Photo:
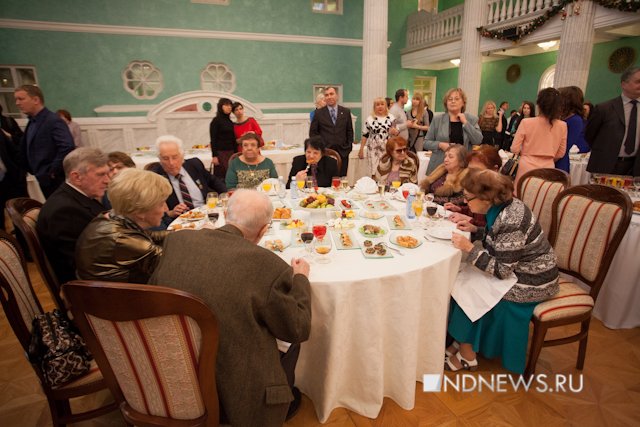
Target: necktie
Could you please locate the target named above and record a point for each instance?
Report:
(186, 197)
(333, 115)
(630, 142)
(314, 174)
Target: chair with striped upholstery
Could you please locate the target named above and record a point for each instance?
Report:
(588, 223)
(24, 212)
(157, 348)
(538, 189)
(21, 305)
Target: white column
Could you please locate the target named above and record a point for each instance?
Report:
(374, 53)
(576, 46)
(474, 16)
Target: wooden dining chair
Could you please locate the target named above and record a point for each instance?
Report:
(334, 155)
(24, 215)
(588, 223)
(151, 166)
(538, 189)
(157, 348)
(20, 306)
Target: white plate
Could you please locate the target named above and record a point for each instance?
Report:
(371, 215)
(187, 225)
(441, 233)
(393, 237)
(286, 241)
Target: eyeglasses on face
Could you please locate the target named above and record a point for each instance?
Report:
(401, 150)
(469, 198)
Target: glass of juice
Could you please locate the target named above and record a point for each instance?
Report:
(335, 183)
(322, 247)
(212, 200)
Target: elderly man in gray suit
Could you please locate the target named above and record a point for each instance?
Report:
(257, 298)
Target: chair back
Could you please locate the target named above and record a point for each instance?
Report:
(24, 212)
(156, 347)
(234, 155)
(538, 189)
(18, 299)
(415, 158)
(151, 166)
(588, 223)
(334, 155)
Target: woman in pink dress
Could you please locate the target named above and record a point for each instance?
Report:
(543, 139)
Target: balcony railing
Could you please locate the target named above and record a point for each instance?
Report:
(430, 29)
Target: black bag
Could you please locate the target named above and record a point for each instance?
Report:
(510, 168)
(58, 349)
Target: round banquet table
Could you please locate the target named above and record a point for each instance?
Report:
(378, 325)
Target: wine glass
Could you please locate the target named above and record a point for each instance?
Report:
(224, 200)
(300, 183)
(319, 230)
(266, 186)
(212, 200)
(382, 185)
(322, 247)
(432, 210)
(335, 183)
(309, 183)
(344, 183)
(416, 205)
(396, 184)
(306, 235)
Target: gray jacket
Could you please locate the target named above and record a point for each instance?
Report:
(439, 132)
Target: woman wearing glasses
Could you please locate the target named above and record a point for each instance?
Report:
(453, 127)
(395, 164)
(444, 181)
(513, 244)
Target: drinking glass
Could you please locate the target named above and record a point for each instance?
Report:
(322, 247)
(266, 186)
(396, 185)
(405, 194)
(432, 210)
(344, 183)
(212, 200)
(319, 230)
(593, 178)
(309, 184)
(224, 199)
(416, 205)
(300, 183)
(306, 235)
(381, 187)
(335, 183)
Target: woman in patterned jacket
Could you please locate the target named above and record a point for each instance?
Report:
(513, 244)
(375, 133)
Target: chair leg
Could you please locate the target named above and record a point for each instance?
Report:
(537, 341)
(59, 411)
(582, 349)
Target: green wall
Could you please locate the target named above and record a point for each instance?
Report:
(448, 4)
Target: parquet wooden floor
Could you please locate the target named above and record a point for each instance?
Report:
(610, 395)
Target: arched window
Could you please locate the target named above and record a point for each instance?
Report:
(546, 80)
(218, 77)
(142, 80)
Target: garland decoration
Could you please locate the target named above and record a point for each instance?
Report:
(515, 34)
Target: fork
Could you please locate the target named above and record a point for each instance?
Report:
(398, 251)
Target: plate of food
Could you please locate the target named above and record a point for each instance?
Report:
(405, 239)
(371, 215)
(636, 207)
(348, 214)
(370, 230)
(282, 213)
(276, 244)
(313, 202)
(290, 224)
(378, 205)
(344, 239)
(378, 250)
(193, 215)
(398, 222)
(347, 204)
(443, 233)
(340, 223)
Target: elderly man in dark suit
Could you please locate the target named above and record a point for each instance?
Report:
(46, 140)
(333, 123)
(612, 130)
(72, 207)
(190, 180)
(257, 298)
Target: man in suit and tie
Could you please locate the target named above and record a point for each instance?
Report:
(612, 130)
(333, 123)
(257, 298)
(72, 207)
(190, 180)
(46, 140)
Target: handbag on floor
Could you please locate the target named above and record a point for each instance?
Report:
(58, 349)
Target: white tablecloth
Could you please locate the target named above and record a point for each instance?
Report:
(377, 326)
(578, 170)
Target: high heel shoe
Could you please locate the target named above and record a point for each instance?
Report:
(467, 365)
(454, 345)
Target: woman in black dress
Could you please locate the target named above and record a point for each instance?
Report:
(223, 138)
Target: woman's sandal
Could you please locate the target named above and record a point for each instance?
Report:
(455, 345)
(468, 365)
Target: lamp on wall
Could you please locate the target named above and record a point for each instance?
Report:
(547, 45)
(455, 62)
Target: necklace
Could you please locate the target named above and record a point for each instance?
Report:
(252, 172)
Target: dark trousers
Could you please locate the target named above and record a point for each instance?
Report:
(49, 185)
(345, 165)
(624, 166)
(288, 361)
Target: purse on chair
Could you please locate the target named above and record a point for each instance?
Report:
(57, 349)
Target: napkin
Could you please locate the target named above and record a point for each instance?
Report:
(366, 185)
(477, 292)
(574, 149)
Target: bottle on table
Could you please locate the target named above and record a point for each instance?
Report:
(410, 212)
(282, 188)
(293, 188)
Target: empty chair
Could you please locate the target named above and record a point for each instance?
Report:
(21, 305)
(588, 223)
(538, 189)
(157, 348)
(24, 215)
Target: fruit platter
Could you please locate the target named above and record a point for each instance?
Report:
(318, 201)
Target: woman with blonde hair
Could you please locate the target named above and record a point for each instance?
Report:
(396, 165)
(417, 122)
(453, 127)
(445, 181)
(490, 123)
(513, 245)
(375, 132)
(116, 246)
